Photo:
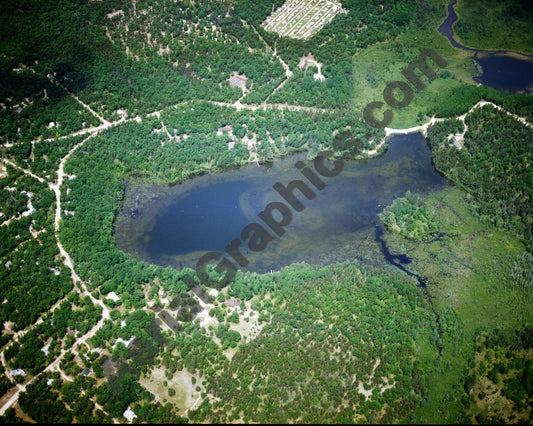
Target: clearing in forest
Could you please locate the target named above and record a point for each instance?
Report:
(302, 18)
(178, 388)
(310, 61)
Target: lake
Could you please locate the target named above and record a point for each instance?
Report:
(505, 72)
(175, 225)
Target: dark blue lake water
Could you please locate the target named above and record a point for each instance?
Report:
(175, 226)
(507, 73)
(202, 219)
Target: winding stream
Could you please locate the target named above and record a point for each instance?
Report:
(502, 69)
(399, 260)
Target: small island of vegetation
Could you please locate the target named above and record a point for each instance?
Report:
(409, 216)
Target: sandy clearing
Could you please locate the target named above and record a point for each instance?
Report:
(186, 395)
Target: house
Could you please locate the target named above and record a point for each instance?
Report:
(233, 304)
(46, 348)
(18, 372)
(129, 414)
(86, 372)
(126, 342)
(113, 296)
(223, 129)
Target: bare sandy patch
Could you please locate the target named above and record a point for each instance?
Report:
(115, 13)
(248, 326)
(251, 145)
(389, 384)
(310, 61)
(3, 170)
(250, 329)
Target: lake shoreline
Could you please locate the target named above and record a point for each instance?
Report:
(182, 223)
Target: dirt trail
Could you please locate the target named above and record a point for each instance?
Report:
(87, 107)
(288, 72)
(424, 127)
(33, 175)
(254, 107)
(67, 259)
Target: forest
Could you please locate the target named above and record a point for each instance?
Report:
(494, 166)
(95, 95)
